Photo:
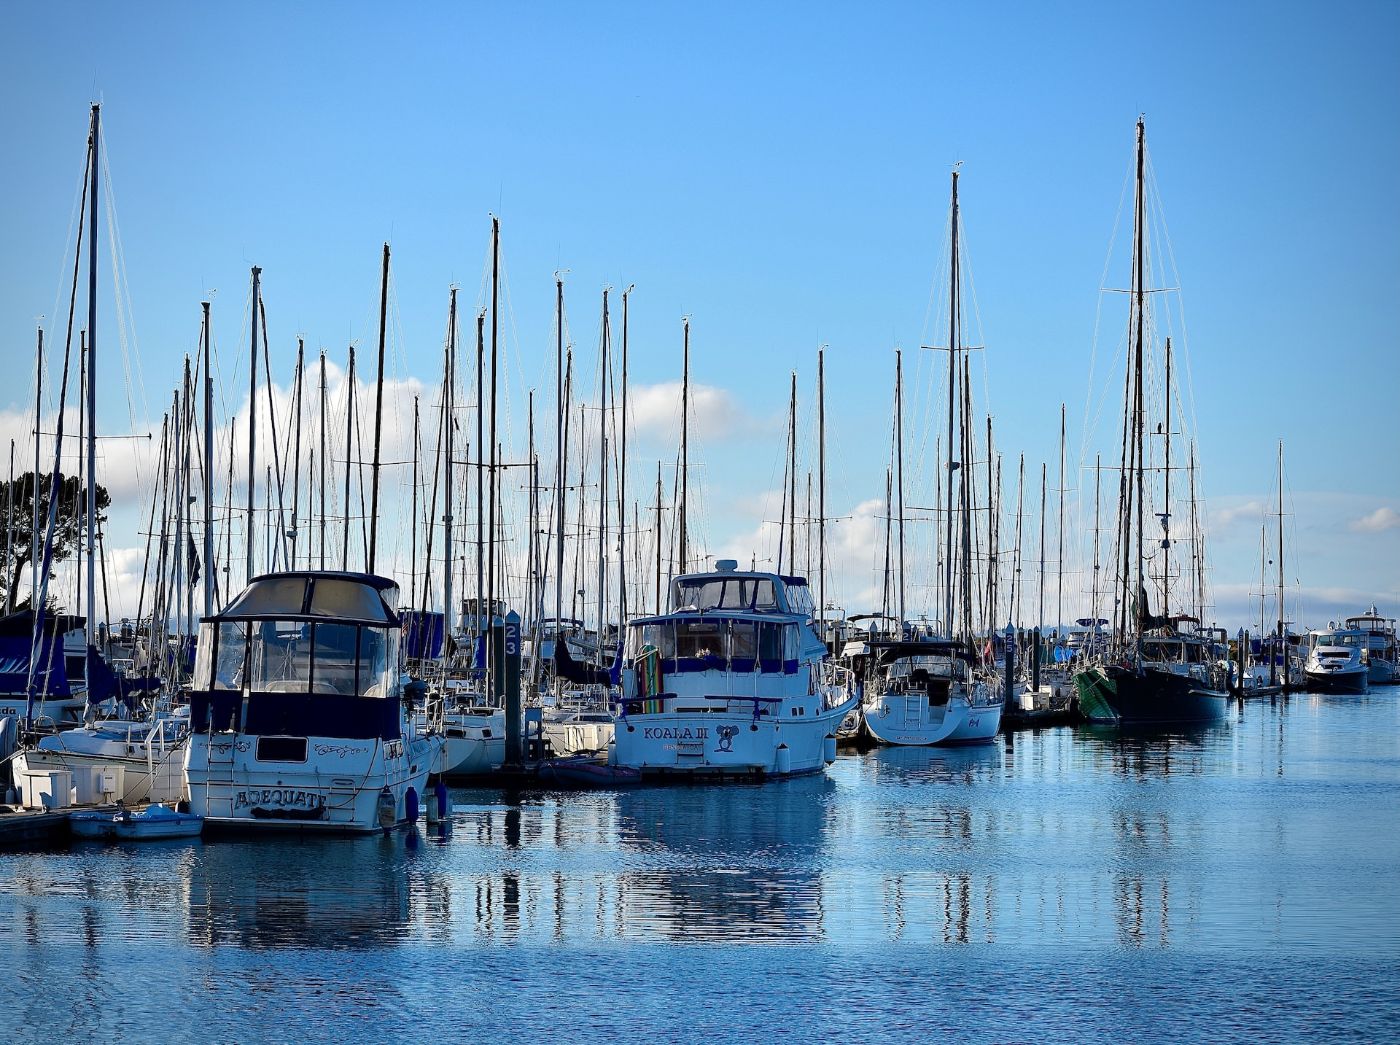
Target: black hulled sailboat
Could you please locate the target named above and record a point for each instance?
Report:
(1155, 673)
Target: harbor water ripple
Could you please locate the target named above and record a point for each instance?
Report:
(1239, 882)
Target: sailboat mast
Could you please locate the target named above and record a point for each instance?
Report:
(792, 479)
(349, 453)
(1040, 598)
(622, 483)
(1282, 616)
(493, 480)
(561, 455)
(953, 337)
(1060, 533)
(899, 469)
(413, 514)
(683, 557)
(603, 367)
(1138, 420)
(296, 455)
(658, 538)
(322, 471)
(480, 471)
(92, 382)
(253, 419)
(34, 538)
(1094, 581)
(378, 412)
(449, 402)
(208, 471)
(821, 491)
(1167, 487)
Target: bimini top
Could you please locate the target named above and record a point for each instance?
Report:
(331, 595)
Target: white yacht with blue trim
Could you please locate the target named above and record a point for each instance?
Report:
(297, 714)
(733, 682)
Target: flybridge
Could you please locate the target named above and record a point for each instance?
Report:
(727, 588)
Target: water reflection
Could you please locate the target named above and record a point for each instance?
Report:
(335, 893)
(740, 864)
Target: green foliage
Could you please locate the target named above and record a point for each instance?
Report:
(19, 544)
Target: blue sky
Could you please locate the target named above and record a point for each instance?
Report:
(779, 173)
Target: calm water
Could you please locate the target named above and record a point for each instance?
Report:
(1241, 882)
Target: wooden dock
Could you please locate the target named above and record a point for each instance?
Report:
(29, 827)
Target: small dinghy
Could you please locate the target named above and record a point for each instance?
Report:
(586, 772)
(155, 822)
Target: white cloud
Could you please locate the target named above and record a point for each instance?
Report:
(715, 415)
(1382, 519)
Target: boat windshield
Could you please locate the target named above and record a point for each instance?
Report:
(1339, 639)
(722, 640)
(724, 593)
(281, 656)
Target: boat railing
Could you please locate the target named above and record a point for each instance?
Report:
(838, 676)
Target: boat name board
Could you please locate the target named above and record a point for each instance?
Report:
(279, 798)
(670, 733)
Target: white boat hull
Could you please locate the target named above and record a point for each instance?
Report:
(336, 790)
(475, 743)
(910, 719)
(726, 743)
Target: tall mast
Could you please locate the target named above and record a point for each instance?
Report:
(560, 455)
(1094, 593)
(449, 396)
(253, 420)
(1137, 379)
(378, 413)
(1016, 571)
(682, 559)
(1167, 492)
(821, 491)
(208, 472)
(953, 338)
(1040, 600)
(413, 514)
(889, 513)
(1060, 533)
(480, 469)
(1282, 616)
(792, 478)
(296, 457)
(899, 469)
(322, 470)
(34, 538)
(494, 479)
(622, 483)
(92, 383)
(349, 452)
(603, 368)
(658, 538)
(10, 535)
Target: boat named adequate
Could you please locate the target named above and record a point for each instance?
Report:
(297, 716)
(733, 682)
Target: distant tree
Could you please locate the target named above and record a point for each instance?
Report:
(18, 550)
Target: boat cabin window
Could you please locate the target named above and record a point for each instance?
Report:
(724, 593)
(799, 597)
(726, 640)
(700, 638)
(278, 656)
(1339, 639)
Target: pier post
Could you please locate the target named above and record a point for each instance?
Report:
(1009, 654)
(507, 634)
